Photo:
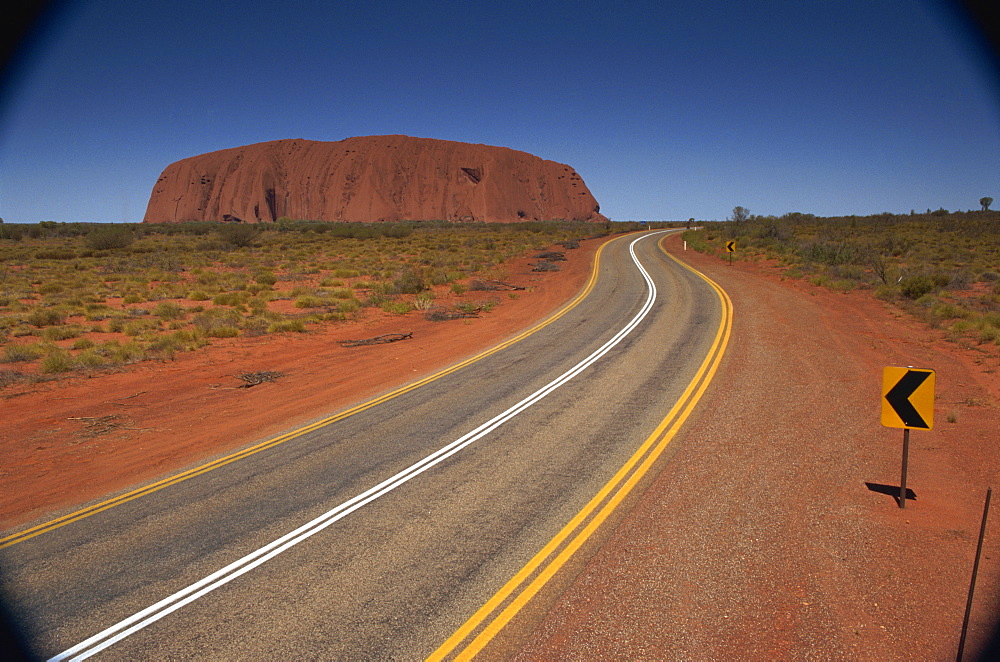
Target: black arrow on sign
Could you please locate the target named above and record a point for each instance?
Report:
(899, 398)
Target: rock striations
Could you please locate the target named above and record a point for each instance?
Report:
(368, 179)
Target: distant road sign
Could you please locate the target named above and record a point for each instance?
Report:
(908, 398)
(731, 246)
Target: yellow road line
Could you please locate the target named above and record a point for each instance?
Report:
(542, 568)
(83, 513)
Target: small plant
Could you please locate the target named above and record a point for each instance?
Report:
(57, 361)
(44, 317)
(168, 310)
(309, 301)
(397, 307)
(265, 278)
(54, 333)
(238, 234)
(21, 353)
(287, 325)
(109, 238)
(915, 287)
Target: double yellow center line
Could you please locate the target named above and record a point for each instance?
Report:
(499, 610)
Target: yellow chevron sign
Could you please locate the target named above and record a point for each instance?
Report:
(908, 398)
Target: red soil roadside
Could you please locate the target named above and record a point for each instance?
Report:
(759, 539)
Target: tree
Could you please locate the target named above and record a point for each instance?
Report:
(740, 214)
(986, 202)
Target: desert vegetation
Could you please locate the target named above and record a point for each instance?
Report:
(84, 297)
(942, 267)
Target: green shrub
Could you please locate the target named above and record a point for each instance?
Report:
(309, 301)
(89, 359)
(265, 278)
(408, 282)
(50, 288)
(349, 306)
(109, 238)
(240, 235)
(44, 317)
(54, 333)
(397, 307)
(83, 343)
(21, 353)
(168, 310)
(56, 361)
(118, 354)
(55, 254)
(223, 331)
(914, 287)
(133, 298)
(230, 298)
(457, 288)
(287, 325)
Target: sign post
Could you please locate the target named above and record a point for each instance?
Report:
(907, 403)
(731, 248)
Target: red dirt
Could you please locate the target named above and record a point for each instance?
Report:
(176, 413)
(385, 178)
(759, 539)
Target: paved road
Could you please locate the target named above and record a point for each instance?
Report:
(395, 577)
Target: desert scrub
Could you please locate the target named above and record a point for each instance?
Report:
(168, 310)
(286, 326)
(348, 306)
(309, 301)
(44, 317)
(20, 353)
(54, 333)
(56, 361)
(118, 354)
(231, 298)
(397, 307)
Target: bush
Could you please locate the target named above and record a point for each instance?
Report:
(265, 278)
(397, 307)
(238, 234)
(287, 325)
(109, 238)
(44, 317)
(61, 332)
(89, 359)
(915, 287)
(168, 310)
(408, 282)
(20, 353)
(309, 301)
(57, 361)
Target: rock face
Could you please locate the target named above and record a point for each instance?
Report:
(368, 179)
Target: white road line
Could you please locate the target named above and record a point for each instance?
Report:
(172, 603)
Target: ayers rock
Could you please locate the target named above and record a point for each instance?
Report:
(367, 179)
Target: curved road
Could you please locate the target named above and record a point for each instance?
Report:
(363, 539)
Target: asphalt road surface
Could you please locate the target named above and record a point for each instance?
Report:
(377, 536)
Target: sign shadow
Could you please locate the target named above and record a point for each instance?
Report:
(891, 490)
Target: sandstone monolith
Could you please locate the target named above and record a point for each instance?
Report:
(369, 179)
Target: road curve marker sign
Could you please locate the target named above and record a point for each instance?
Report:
(908, 398)
(731, 246)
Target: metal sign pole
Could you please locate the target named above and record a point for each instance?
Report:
(902, 481)
(975, 571)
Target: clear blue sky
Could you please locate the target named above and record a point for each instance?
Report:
(668, 110)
